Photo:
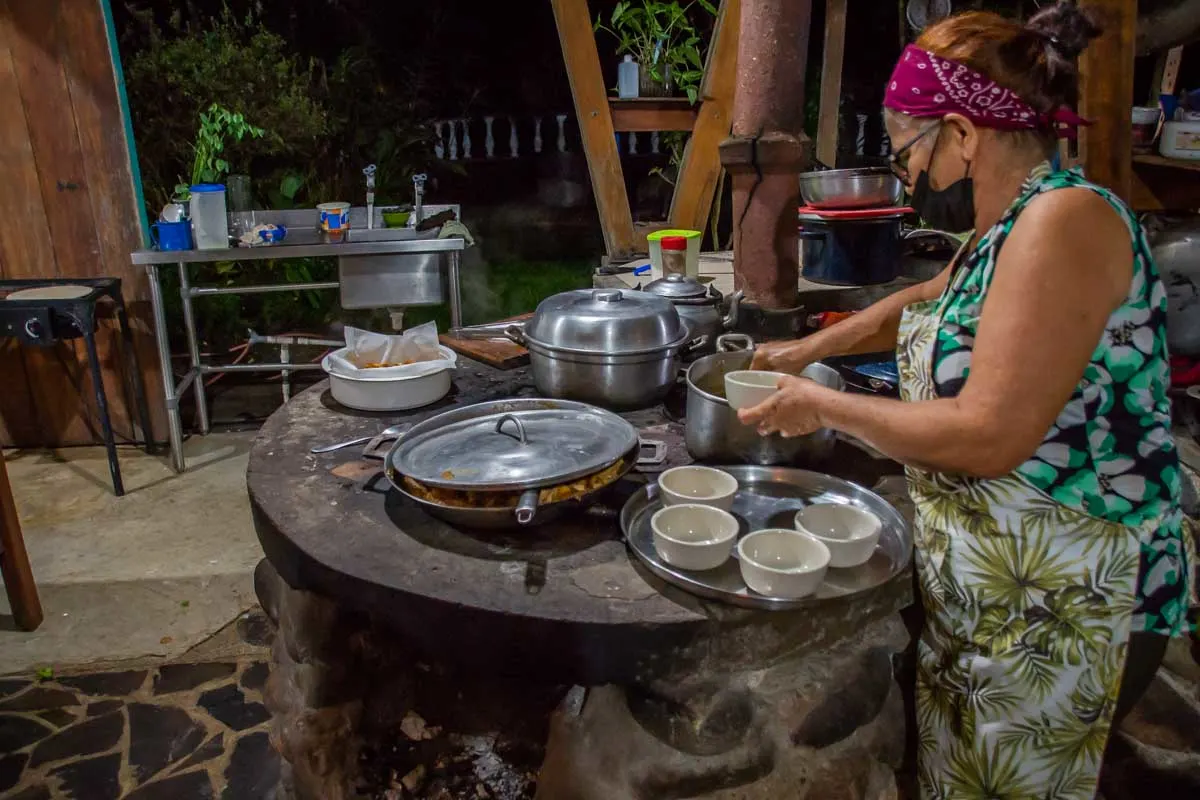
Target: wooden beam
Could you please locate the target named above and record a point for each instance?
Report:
(1106, 97)
(596, 130)
(645, 115)
(700, 172)
(14, 562)
(831, 81)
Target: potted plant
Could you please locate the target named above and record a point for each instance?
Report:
(662, 37)
(217, 124)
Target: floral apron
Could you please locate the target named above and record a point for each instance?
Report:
(1029, 607)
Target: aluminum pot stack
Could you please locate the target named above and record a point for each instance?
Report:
(617, 348)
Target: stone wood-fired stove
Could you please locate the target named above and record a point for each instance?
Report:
(673, 696)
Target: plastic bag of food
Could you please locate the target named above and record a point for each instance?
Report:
(378, 355)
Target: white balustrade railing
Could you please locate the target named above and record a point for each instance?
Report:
(453, 138)
(457, 139)
(533, 135)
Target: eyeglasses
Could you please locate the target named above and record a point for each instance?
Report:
(900, 167)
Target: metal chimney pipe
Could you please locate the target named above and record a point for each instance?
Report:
(768, 149)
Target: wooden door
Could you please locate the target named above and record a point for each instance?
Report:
(68, 208)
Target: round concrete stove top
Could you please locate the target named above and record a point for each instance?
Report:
(563, 602)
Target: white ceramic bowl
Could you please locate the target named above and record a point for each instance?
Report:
(849, 532)
(749, 387)
(777, 562)
(693, 536)
(365, 393)
(700, 485)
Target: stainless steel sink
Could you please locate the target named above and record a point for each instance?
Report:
(386, 234)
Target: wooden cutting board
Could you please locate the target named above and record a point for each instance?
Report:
(498, 353)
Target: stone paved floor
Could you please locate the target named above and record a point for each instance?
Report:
(178, 731)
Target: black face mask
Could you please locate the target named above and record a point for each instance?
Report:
(951, 209)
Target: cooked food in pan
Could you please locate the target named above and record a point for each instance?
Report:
(509, 499)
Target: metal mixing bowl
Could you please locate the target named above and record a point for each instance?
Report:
(850, 188)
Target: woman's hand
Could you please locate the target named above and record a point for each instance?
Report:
(791, 411)
(791, 356)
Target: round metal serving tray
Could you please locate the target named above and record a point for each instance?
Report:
(768, 497)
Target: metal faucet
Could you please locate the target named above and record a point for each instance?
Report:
(369, 172)
(418, 212)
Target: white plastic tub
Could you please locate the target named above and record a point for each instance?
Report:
(388, 393)
(1180, 140)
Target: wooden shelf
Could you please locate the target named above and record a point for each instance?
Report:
(1165, 184)
(648, 114)
(1171, 163)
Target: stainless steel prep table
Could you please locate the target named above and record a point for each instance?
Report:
(301, 242)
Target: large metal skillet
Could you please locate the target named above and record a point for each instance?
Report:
(512, 463)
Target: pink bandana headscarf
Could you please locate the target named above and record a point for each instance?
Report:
(925, 85)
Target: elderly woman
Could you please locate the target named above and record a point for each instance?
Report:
(1034, 420)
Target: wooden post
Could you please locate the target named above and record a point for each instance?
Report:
(700, 172)
(831, 81)
(1106, 97)
(14, 562)
(595, 125)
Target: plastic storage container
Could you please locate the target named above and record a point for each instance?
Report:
(627, 79)
(1145, 125)
(333, 217)
(693, 238)
(209, 220)
(1180, 140)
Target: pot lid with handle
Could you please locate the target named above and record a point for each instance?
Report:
(677, 287)
(513, 445)
(609, 321)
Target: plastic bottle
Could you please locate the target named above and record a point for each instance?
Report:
(209, 218)
(627, 79)
(674, 255)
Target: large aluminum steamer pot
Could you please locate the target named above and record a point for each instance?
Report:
(713, 431)
(616, 348)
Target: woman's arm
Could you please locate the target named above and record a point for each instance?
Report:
(872, 330)
(1062, 271)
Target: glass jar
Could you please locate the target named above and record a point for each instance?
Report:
(674, 255)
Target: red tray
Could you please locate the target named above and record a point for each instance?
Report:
(857, 213)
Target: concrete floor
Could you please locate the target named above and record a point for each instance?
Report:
(146, 576)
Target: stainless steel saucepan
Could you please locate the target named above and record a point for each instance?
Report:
(713, 431)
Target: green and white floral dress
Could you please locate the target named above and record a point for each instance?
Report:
(1032, 583)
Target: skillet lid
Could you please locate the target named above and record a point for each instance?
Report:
(513, 445)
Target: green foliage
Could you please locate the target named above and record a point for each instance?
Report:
(659, 35)
(175, 74)
(321, 122)
(216, 125)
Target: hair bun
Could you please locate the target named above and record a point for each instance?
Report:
(1066, 27)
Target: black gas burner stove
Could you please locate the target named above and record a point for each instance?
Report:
(43, 320)
(44, 312)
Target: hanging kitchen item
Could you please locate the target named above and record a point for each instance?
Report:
(703, 309)
(864, 187)
(617, 348)
(713, 432)
(512, 462)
